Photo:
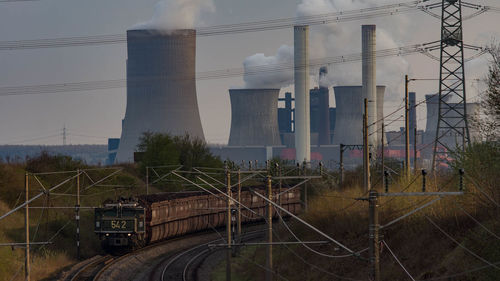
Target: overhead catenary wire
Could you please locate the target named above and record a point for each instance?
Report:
(460, 244)
(309, 248)
(476, 221)
(448, 277)
(313, 265)
(398, 261)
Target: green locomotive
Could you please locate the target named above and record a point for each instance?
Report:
(120, 223)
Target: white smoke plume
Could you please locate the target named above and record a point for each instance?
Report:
(177, 14)
(334, 40)
(255, 78)
(345, 38)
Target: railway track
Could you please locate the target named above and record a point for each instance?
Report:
(89, 270)
(173, 259)
(184, 265)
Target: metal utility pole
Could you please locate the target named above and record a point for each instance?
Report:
(407, 130)
(239, 206)
(452, 113)
(228, 226)
(383, 163)
(366, 148)
(415, 162)
(27, 230)
(77, 214)
(64, 135)
(280, 186)
(304, 166)
(373, 236)
(269, 247)
(147, 180)
(342, 148)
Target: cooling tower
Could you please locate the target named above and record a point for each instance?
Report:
(432, 106)
(254, 117)
(369, 90)
(302, 100)
(161, 87)
(453, 138)
(349, 114)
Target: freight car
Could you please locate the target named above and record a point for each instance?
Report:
(135, 222)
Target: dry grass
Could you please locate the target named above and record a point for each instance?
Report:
(48, 260)
(421, 247)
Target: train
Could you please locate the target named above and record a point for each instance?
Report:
(138, 221)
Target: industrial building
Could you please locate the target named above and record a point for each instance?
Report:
(452, 139)
(161, 87)
(254, 117)
(349, 114)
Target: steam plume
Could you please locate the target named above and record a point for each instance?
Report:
(177, 14)
(269, 79)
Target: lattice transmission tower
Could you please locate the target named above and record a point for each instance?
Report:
(452, 127)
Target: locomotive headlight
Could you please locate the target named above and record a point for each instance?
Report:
(129, 235)
(107, 234)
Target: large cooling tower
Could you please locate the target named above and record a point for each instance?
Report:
(369, 90)
(453, 138)
(349, 114)
(254, 117)
(302, 100)
(161, 87)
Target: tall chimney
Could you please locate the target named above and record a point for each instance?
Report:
(369, 89)
(302, 106)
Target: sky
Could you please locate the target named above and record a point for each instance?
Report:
(94, 116)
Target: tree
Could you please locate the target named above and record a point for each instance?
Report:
(194, 152)
(163, 149)
(488, 124)
(158, 150)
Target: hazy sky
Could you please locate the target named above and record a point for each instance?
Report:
(93, 116)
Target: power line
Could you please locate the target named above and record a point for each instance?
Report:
(476, 221)
(460, 245)
(461, 273)
(282, 23)
(313, 265)
(306, 246)
(396, 258)
(205, 75)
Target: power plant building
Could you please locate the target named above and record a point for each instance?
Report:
(452, 139)
(161, 87)
(349, 114)
(254, 117)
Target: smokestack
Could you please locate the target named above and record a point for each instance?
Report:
(380, 113)
(302, 107)
(161, 87)
(254, 117)
(413, 115)
(369, 89)
(320, 110)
